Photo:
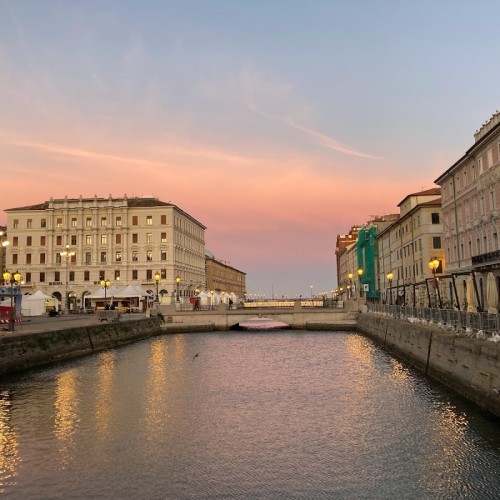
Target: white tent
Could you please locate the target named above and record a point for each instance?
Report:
(36, 303)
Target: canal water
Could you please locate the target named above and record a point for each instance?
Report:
(289, 415)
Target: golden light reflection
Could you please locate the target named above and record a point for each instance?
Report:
(66, 413)
(357, 346)
(157, 385)
(106, 373)
(179, 348)
(400, 374)
(9, 452)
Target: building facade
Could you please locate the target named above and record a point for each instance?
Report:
(65, 247)
(221, 277)
(471, 212)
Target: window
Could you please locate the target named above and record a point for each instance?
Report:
(102, 275)
(15, 241)
(134, 274)
(73, 222)
(28, 241)
(163, 273)
(149, 255)
(135, 220)
(135, 238)
(58, 240)
(117, 275)
(118, 221)
(149, 238)
(72, 275)
(15, 223)
(43, 223)
(73, 239)
(118, 239)
(42, 258)
(14, 258)
(103, 256)
(436, 242)
(28, 277)
(104, 239)
(88, 239)
(42, 241)
(57, 276)
(149, 274)
(58, 258)
(435, 218)
(42, 277)
(149, 220)
(88, 221)
(29, 223)
(86, 275)
(28, 258)
(163, 255)
(104, 221)
(163, 237)
(163, 219)
(88, 258)
(135, 257)
(59, 222)
(118, 256)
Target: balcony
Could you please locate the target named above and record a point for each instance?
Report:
(486, 258)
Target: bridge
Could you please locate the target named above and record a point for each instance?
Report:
(223, 319)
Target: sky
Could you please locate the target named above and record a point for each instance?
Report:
(278, 124)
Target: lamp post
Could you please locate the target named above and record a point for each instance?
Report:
(360, 273)
(177, 281)
(12, 279)
(68, 253)
(433, 265)
(389, 279)
(311, 287)
(350, 276)
(105, 284)
(157, 280)
(5, 244)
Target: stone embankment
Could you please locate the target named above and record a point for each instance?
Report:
(22, 351)
(469, 366)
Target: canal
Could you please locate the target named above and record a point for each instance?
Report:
(288, 415)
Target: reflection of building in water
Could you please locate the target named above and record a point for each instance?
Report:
(157, 385)
(66, 412)
(106, 373)
(9, 452)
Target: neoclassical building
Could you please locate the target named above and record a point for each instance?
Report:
(471, 210)
(222, 277)
(65, 247)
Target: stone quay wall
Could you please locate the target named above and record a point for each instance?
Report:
(469, 366)
(30, 350)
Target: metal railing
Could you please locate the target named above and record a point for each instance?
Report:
(262, 305)
(479, 324)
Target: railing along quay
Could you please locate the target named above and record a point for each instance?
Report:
(261, 305)
(479, 324)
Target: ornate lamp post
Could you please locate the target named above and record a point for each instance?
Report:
(389, 279)
(311, 287)
(157, 280)
(67, 254)
(12, 279)
(105, 284)
(350, 276)
(360, 273)
(433, 265)
(177, 281)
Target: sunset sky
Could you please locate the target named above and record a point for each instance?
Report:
(278, 124)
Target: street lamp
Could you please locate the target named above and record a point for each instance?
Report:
(177, 281)
(351, 276)
(12, 279)
(360, 273)
(105, 284)
(157, 280)
(433, 265)
(389, 278)
(67, 254)
(311, 287)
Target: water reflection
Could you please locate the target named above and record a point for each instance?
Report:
(66, 418)
(157, 386)
(104, 393)
(9, 452)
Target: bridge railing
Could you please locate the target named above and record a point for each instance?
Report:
(479, 324)
(267, 304)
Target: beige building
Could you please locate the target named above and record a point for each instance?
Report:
(471, 213)
(65, 247)
(406, 247)
(221, 277)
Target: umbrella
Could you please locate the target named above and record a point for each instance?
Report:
(469, 294)
(492, 294)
